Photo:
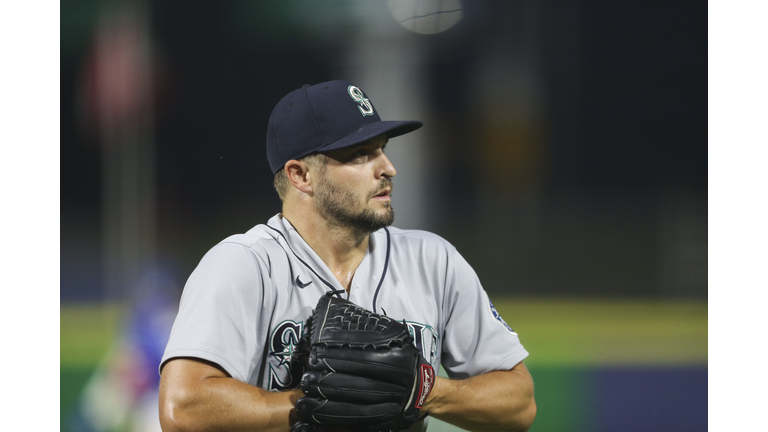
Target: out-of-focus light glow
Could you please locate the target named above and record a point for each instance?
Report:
(426, 16)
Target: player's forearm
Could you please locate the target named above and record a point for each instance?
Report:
(496, 401)
(222, 404)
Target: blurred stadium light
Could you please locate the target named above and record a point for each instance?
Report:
(426, 16)
(118, 94)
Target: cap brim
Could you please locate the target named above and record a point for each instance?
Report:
(389, 128)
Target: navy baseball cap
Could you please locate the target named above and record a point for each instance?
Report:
(324, 117)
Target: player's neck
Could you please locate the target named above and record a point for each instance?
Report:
(342, 249)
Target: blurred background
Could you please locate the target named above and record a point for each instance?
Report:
(564, 154)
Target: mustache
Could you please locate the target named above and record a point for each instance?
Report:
(385, 184)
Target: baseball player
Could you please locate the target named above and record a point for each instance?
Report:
(234, 360)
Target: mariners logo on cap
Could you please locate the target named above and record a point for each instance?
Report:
(357, 95)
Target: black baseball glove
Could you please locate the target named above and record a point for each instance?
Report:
(363, 372)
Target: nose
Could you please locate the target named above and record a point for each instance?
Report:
(386, 169)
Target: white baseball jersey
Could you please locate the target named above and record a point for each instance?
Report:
(247, 303)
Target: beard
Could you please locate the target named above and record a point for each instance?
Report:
(338, 205)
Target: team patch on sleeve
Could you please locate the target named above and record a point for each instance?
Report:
(498, 317)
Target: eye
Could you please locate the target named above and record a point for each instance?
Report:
(360, 153)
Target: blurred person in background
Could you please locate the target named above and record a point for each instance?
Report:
(122, 393)
(233, 360)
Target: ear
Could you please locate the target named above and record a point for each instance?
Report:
(298, 175)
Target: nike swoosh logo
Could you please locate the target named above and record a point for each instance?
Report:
(301, 285)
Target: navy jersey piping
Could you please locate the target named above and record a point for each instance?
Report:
(338, 294)
(303, 262)
(383, 274)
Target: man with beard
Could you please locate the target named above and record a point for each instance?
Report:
(233, 361)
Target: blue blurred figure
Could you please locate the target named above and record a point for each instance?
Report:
(122, 394)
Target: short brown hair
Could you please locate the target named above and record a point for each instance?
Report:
(281, 182)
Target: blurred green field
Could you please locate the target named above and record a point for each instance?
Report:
(86, 334)
(609, 332)
(562, 336)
